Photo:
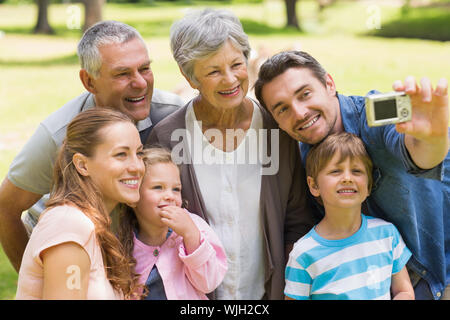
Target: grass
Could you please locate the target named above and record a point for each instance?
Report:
(8, 278)
(417, 23)
(40, 73)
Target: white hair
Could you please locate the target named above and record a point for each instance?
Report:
(201, 33)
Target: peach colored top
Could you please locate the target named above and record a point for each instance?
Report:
(56, 226)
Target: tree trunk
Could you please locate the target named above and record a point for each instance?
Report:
(291, 14)
(42, 25)
(92, 12)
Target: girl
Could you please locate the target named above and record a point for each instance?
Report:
(72, 252)
(178, 256)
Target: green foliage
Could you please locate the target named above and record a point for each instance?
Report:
(252, 27)
(18, 1)
(421, 23)
(183, 1)
(132, 1)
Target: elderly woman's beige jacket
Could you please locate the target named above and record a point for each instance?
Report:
(286, 210)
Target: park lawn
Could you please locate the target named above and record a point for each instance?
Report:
(8, 278)
(40, 73)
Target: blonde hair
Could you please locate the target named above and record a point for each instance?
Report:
(128, 221)
(70, 187)
(347, 145)
(155, 155)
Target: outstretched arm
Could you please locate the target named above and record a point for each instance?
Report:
(426, 135)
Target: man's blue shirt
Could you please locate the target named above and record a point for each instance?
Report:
(416, 201)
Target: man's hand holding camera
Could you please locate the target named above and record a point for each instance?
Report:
(426, 135)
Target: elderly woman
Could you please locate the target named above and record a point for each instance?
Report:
(258, 209)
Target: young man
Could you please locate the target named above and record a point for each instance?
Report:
(411, 160)
(115, 70)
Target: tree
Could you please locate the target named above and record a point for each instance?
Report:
(92, 12)
(42, 25)
(291, 11)
(291, 14)
(92, 15)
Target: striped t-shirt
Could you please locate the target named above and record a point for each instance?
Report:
(359, 267)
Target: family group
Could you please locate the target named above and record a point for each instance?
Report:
(107, 200)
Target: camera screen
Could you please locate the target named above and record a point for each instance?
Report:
(385, 109)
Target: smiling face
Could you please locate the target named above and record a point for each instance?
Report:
(161, 187)
(116, 166)
(125, 80)
(341, 184)
(222, 79)
(302, 106)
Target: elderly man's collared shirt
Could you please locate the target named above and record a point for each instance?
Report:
(416, 201)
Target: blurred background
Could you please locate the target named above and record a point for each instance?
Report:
(363, 44)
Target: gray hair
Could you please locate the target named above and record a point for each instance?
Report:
(201, 33)
(102, 33)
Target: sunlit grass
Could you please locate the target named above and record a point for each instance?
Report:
(8, 278)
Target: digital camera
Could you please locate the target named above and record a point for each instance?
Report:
(387, 108)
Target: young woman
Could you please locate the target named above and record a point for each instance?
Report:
(72, 252)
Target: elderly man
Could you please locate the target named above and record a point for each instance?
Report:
(412, 165)
(116, 72)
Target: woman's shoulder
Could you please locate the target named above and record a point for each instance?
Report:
(66, 218)
(61, 224)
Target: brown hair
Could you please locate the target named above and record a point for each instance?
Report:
(347, 145)
(283, 61)
(128, 220)
(70, 187)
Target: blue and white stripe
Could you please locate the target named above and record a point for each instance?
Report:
(357, 267)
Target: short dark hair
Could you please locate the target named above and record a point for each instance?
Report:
(283, 61)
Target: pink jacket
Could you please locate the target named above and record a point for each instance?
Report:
(185, 277)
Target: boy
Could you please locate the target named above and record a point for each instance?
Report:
(347, 255)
